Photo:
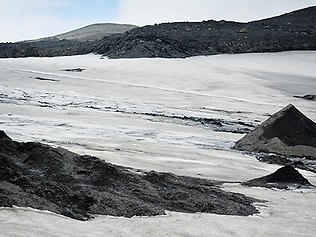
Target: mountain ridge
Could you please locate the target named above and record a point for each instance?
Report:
(291, 31)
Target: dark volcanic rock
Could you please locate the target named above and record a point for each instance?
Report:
(74, 69)
(297, 162)
(292, 31)
(45, 48)
(283, 178)
(46, 79)
(287, 132)
(54, 179)
(307, 97)
(220, 125)
(4, 136)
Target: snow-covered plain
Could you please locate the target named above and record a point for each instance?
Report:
(125, 111)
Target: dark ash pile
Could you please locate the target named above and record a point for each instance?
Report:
(39, 176)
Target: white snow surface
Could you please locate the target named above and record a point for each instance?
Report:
(104, 111)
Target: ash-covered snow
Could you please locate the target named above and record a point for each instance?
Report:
(155, 114)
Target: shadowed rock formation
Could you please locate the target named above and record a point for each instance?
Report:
(39, 176)
(287, 132)
(283, 178)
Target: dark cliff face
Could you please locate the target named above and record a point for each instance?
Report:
(292, 31)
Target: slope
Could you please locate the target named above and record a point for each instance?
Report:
(292, 31)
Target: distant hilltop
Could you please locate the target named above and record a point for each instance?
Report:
(291, 31)
(76, 42)
(93, 32)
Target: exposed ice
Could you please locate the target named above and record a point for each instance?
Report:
(129, 111)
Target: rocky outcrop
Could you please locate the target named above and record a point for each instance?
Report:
(284, 178)
(39, 176)
(287, 132)
(292, 31)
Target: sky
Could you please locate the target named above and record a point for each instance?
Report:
(31, 19)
